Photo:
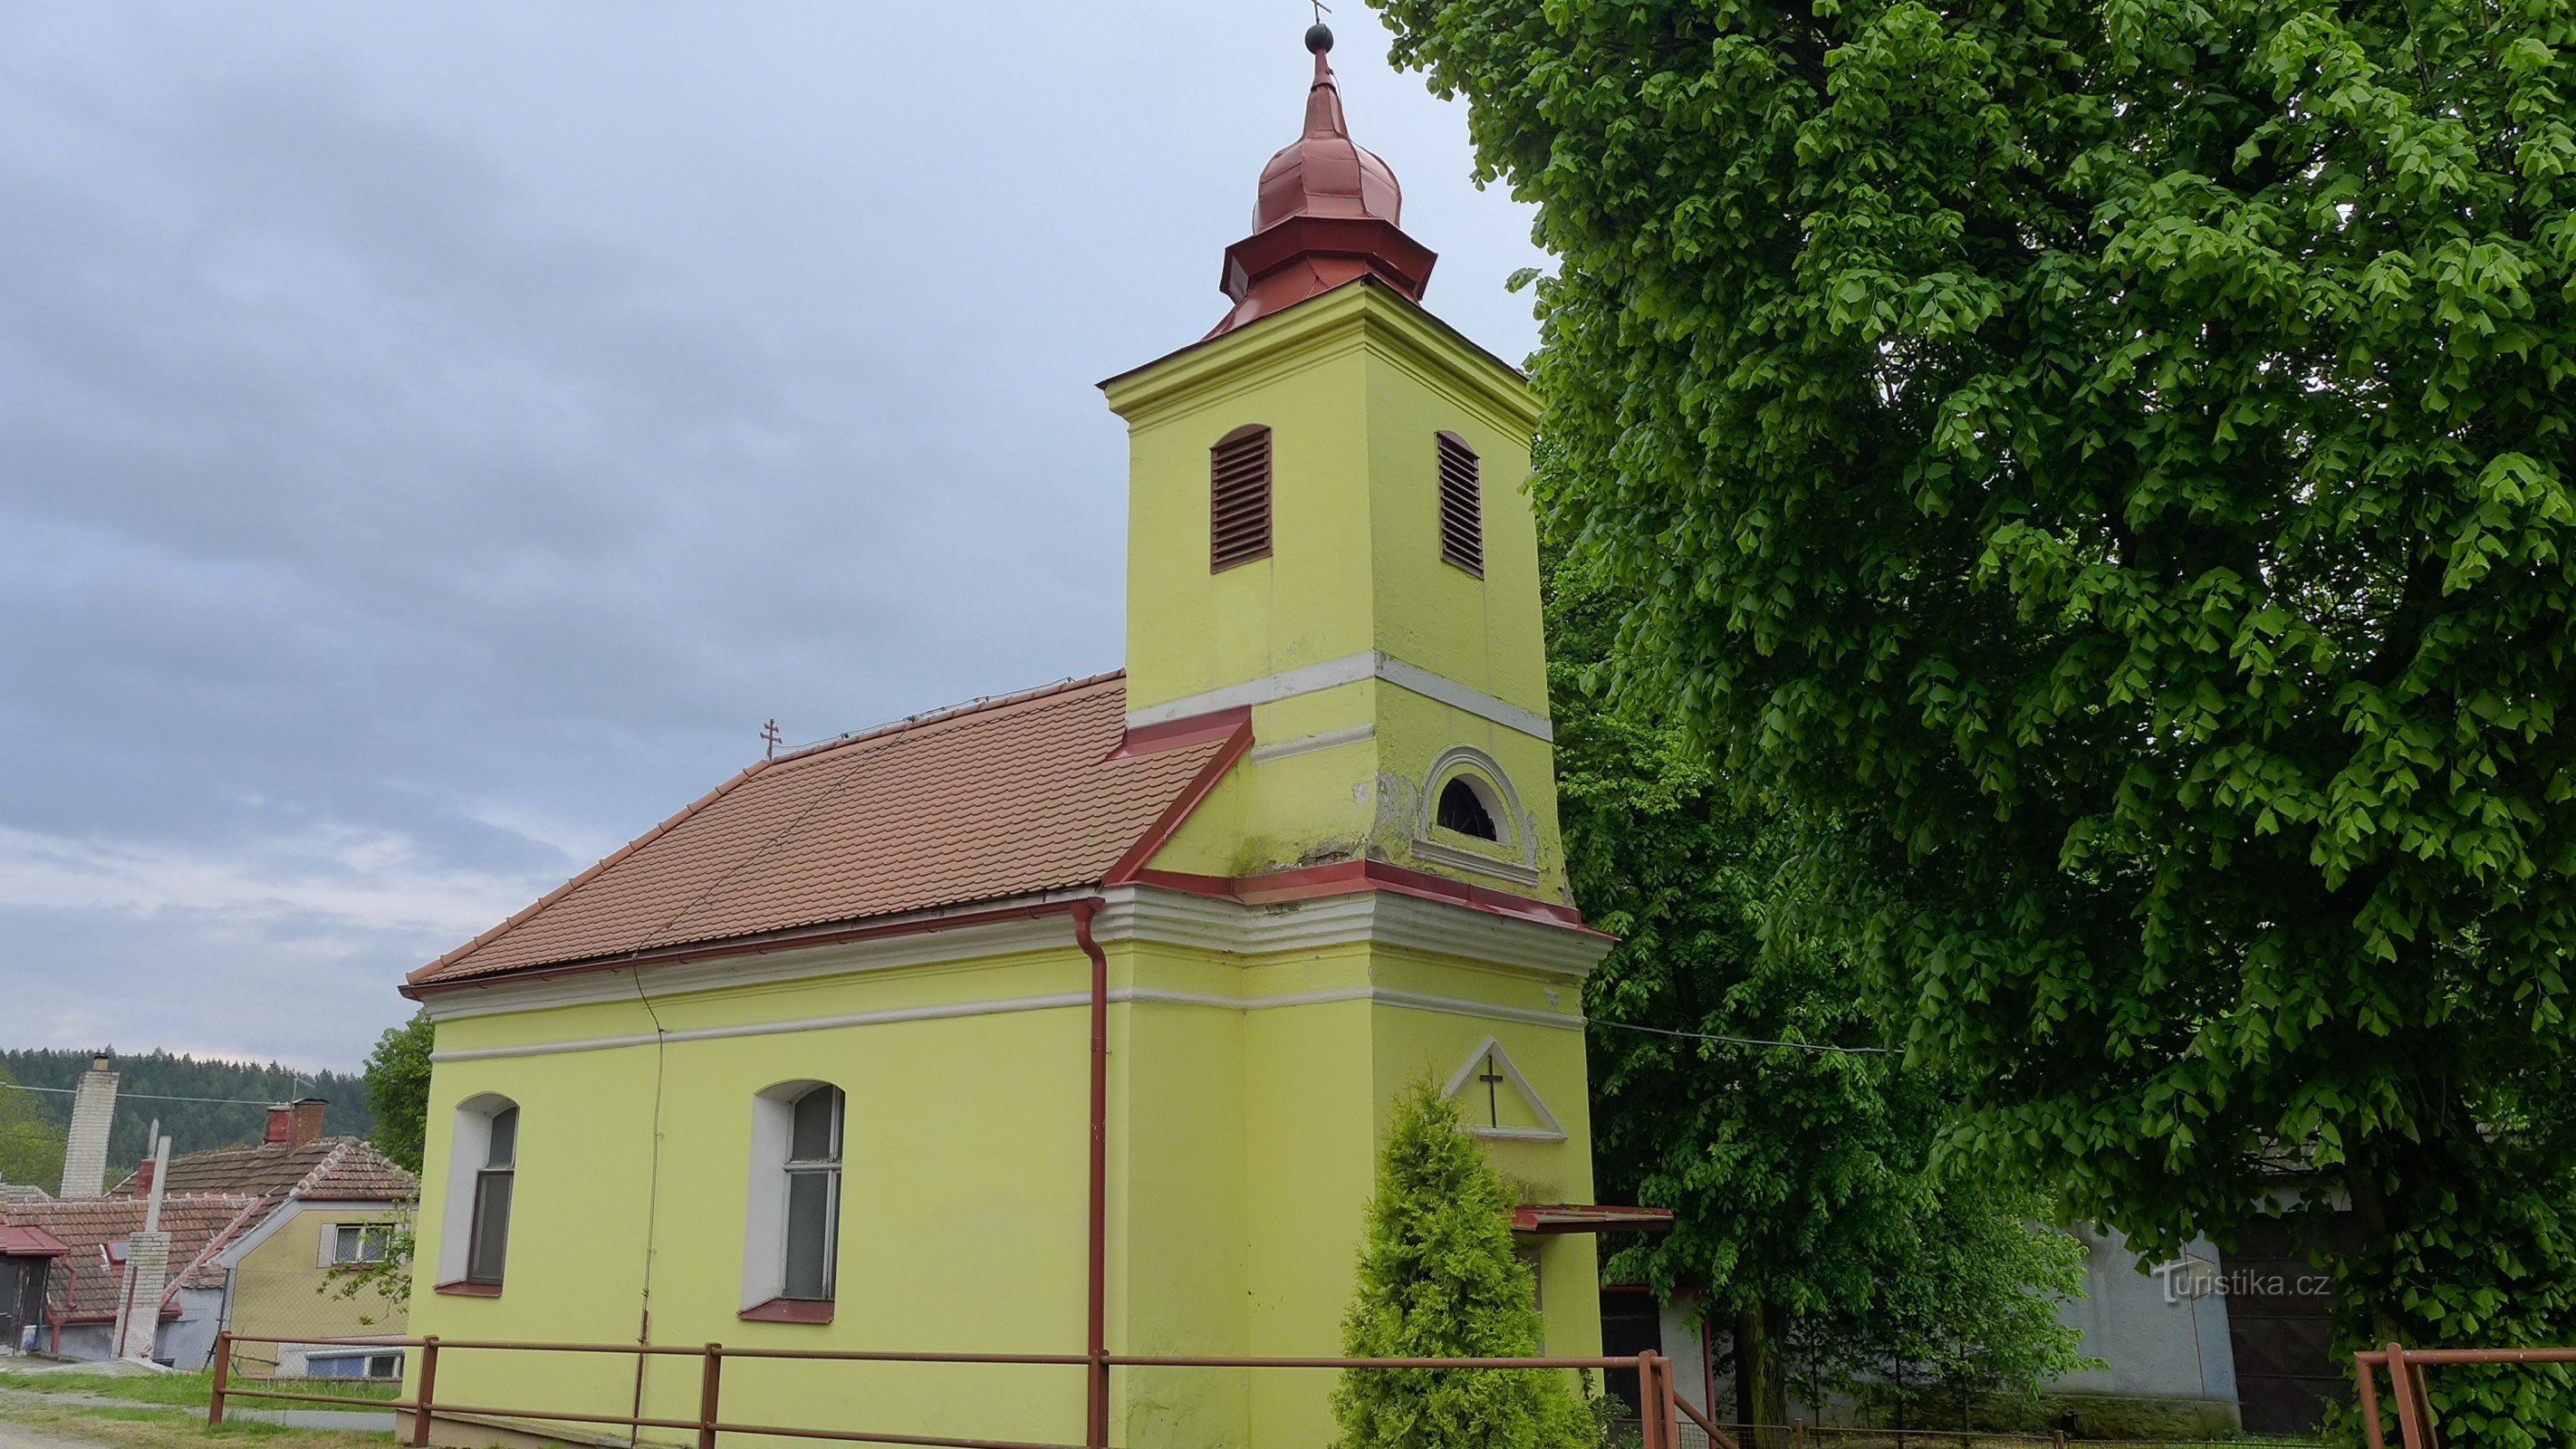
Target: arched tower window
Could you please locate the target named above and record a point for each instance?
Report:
(1463, 810)
(1239, 498)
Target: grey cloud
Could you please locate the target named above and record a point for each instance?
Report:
(432, 439)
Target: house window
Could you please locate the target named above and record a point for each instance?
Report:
(813, 1196)
(352, 1244)
(355, 1366)
(488, 1248)
(1239, 498)
(1462, 509)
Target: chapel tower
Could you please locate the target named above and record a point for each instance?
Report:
(1327, 528)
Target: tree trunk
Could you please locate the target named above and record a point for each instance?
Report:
(1762, 1372)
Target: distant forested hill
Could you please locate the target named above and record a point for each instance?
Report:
(193, 1126)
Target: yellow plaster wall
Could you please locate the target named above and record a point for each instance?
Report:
(1356, 386)
(1242, 1147)
(280, 1289)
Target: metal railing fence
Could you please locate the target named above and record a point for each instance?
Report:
(2415, 1425)
(1660, 1423)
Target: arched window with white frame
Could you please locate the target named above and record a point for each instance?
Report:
(482, 1191)
(792, 1218)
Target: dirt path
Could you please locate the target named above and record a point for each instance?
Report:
(20, 1436)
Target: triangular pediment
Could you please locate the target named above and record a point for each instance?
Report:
(1496, 1101)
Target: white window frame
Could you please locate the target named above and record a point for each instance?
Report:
(764, 1238)
(469, 1144)
(332, 1255)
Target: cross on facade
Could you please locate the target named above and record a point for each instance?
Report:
(1493, 1081)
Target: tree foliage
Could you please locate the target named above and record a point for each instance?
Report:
(31, 1146)
(2116, 456)
(397, 1078)
(1810, 1212)
(1437, 1279)
(201, 1103)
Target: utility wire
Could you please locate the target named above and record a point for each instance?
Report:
(1804, 1046)
(145, 1096)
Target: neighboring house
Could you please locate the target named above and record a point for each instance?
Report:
(823, 1062)
(255, 1234)
(326, 1204)
(86, 1288)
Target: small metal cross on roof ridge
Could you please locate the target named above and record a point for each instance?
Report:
(1493, 1081)
(770, 736)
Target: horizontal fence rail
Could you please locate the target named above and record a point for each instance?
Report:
(1661, 1422)
(2415, 1425)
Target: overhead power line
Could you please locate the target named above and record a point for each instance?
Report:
(1754, 1041)
(146, 1096)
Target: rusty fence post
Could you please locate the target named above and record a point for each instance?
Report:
(2402, 1387)
(426, 1394)
(1650, 1402)
(223, 1371)
(710, 1390)
(2366, 1378)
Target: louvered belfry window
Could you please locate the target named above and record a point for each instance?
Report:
(1239, 498)
(1462, 518)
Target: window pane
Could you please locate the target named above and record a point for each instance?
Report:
(489, 1246)
(504, 1148)
(345, 1246)
(816, 1137)
(333, 1368)
(810, 1233)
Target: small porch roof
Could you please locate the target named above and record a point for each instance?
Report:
(31, 1243)
(1570, 1217)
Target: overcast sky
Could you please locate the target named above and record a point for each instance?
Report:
(434, 437)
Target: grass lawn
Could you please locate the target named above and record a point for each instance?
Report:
(185, 1390)
(151, 1411)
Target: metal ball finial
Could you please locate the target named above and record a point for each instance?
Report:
(1319, 37)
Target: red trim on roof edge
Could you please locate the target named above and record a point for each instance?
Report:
(1353, 876)
(800, 939)
(1155, 838)
(1177, 734)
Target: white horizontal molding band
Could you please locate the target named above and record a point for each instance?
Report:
(1328, 740)
(1062, 1001)
(1131, 913)
(1333, 674)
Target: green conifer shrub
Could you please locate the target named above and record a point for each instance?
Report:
(1437, 1279)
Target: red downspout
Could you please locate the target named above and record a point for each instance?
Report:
(1096, 1328)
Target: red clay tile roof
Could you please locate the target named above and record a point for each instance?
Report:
(999, 799)
(330, 1169)
(199, 1225)
(31, 1243)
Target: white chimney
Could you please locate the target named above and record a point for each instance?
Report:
(93, 1113)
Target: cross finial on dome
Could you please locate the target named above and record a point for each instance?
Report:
(1327, 213)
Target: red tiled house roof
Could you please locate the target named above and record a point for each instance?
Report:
(326, 1169)
(85, 1287)
(1014, 797)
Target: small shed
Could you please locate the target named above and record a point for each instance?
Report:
(27, 1258)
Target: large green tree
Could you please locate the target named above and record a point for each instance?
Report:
(2115, 457)
(31, 1146)
(1811, 1214)
(397, 1077)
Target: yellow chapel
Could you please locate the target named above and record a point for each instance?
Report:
(1064, 1024)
